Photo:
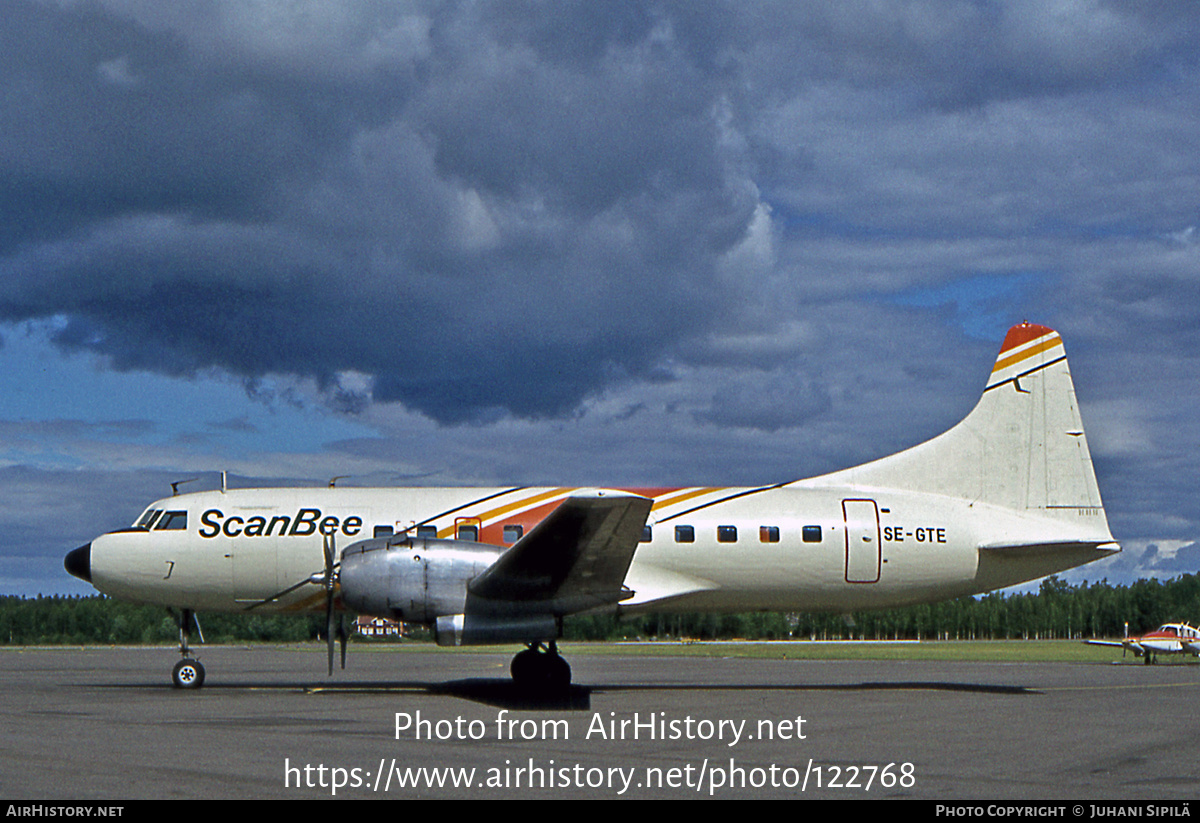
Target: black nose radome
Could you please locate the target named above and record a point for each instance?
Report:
(79, 562)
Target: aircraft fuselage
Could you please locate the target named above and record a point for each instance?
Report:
(774, 548)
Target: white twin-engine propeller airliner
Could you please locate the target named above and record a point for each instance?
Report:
(1006, 496)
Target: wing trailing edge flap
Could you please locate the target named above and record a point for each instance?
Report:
(575, 559)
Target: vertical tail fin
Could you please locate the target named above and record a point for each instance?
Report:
(1022, 447)
(1037, 454)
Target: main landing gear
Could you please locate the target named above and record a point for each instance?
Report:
(188, 672)
(541, 669)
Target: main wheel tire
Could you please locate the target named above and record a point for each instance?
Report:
(558, 672)
(524, 667)
(540, 671)
(188, 674)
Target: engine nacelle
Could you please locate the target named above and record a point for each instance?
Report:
(412, 579)
(479, 629)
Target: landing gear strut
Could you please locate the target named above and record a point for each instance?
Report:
(540, 669)
(188, 672)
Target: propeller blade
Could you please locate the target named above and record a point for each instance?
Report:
(342, 637)
(329, 553)
(330, 579)
(329, 628)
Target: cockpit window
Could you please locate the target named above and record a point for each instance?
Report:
(147, 519)
(173, 521)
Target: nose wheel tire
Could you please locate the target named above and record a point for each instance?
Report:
(188, 674)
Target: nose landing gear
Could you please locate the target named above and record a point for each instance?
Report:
(188, 672)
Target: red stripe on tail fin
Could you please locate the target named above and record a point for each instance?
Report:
(1023, 333)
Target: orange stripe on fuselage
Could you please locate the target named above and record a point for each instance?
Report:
(527, 518)
(672, 500)
(493, 532)
(531, 513)
(500, 511)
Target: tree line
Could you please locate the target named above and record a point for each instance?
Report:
(1057, 610)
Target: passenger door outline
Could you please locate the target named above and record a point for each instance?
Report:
(863, 547)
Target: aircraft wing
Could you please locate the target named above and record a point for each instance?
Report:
(575, 559)
(1104, 643)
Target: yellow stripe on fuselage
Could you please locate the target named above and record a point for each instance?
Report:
(500, 511)
(673, 498)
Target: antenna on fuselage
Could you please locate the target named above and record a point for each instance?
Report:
(175, 486)
(224, 482)
(333, 480)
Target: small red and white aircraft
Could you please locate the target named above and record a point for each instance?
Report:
(1006, 496)
(1169, 638)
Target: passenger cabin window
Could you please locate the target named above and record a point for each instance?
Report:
(685, 534)
(811, 534)
(647, 534)
(468, 533)
(382, 531)
(427, 532)
(768, 534)
(726, 534)
(172, 521)
(513, 533)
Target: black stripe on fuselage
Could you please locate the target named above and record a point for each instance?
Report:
(449, 512)
(746, 493)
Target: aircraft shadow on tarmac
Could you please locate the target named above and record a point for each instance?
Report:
(503, 693)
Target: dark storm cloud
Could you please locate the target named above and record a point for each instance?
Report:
(104, 118)
(539, 212)
(963, 54)
(503, 208)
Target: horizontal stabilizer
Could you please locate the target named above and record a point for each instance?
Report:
(1032, 549)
